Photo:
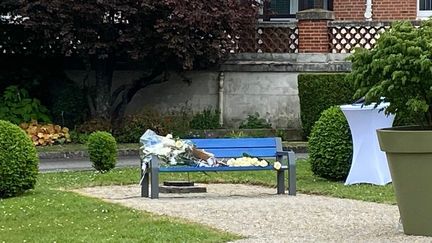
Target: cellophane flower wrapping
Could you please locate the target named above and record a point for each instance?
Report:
(169, 150)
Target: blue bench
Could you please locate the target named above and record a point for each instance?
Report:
(229, 148)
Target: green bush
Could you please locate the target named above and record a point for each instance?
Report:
(178, 123)
(254, 122)
(78, 137)
(94, 125)
(330, 145)
(102, 148)
(134, 126)
(318, 92)
(18, 161)
(207, 119)
(17, 107)
(236, 134)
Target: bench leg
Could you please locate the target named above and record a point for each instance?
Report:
(144, 183)
(154, 170)
(280, 182)
(291, 174)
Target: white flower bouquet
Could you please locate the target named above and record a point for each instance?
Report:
(249, 161)
(167, 149)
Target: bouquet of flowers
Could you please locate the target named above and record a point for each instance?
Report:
(172, 151)
(249, 161)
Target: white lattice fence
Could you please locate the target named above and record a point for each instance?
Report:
(345, 36)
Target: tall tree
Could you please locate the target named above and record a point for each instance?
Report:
(163, 35)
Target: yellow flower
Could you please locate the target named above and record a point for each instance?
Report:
(277, 165)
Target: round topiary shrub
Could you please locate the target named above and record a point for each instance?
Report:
(330, 145)
(18, 161)
(102, 148)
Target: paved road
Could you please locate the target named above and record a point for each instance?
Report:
(52, 165)
(47, 165)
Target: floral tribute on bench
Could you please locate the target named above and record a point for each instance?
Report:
(177, 152)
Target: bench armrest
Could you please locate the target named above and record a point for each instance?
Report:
(292, 188)
(289, 154)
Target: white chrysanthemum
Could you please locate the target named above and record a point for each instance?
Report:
(173, 161)
(263, 163)
(179, 144)
(277, 165)
(247, 161)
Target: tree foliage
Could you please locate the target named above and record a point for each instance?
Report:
(398, 70)
(160, 34)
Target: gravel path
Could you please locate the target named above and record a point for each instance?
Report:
(262, 216)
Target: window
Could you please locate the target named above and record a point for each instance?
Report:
(288, 8)
(424, 8)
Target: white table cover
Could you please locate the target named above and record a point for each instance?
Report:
(369, 163)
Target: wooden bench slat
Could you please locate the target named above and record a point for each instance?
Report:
(238, 152)
(235, 143)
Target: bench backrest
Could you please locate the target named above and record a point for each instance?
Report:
(236, 147)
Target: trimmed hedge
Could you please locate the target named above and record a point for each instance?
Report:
(330, 145)
(18, 161)
(102, 148)
(318, 92)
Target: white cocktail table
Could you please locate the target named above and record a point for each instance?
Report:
(369, 163)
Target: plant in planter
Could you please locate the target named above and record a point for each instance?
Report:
(399, 70)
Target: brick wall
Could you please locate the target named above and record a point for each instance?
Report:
(381, 9)
(313, 36)
(349, 9)
(392, 10)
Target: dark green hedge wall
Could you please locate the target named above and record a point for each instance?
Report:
(318, 92)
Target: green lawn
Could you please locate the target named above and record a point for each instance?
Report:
(306, 182)
(49, 213)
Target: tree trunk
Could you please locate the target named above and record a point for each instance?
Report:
(127, 92)
(104, 69)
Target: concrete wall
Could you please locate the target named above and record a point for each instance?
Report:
(198, 94)
(263, 83)
(274, 95)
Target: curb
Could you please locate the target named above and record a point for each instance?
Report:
(301, 148)
(83, 154)
(297, 149)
